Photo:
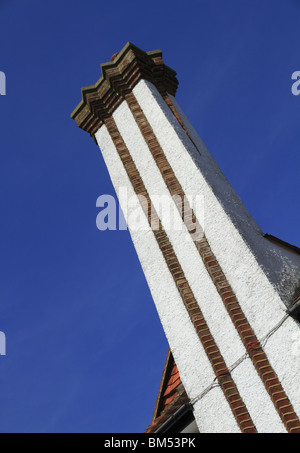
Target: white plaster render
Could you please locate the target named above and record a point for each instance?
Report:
(280, 264)
(283, 347)
(243, 262)
(195, 371)
(209, 301)
(210, 416)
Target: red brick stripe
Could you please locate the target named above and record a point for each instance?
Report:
(177, 116)
(218, 364)
(246, 333)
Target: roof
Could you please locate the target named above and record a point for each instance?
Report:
(278, 241)
(171, 395)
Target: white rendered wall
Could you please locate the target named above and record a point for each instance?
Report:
(209, 302)
(195, 370)
(281, 265)
(237, 242)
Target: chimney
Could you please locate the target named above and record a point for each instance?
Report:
(223, 290)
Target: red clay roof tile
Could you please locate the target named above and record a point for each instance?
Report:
(171, 394)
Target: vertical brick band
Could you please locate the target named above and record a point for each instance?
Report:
(245, 331)
(119, 77)
(217, 362)
(170, 104)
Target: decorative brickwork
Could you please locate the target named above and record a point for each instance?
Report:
(251, 343)
(98, 103)
(170, 104)
(218, 364)
(119, 77)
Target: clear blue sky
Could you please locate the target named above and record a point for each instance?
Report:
(85, 348)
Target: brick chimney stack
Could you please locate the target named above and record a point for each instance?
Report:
(225, 294)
